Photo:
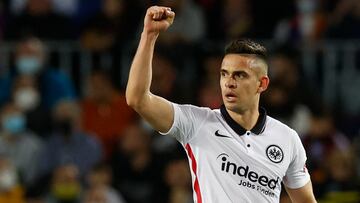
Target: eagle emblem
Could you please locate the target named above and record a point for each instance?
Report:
(274, 153)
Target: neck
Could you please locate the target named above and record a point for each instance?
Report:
(247, 119)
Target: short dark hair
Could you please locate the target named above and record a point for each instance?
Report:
(246, 46)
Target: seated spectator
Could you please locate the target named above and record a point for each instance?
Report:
(22, 147)
(104, 111)
(209, 91)
(166, 79)
(38, 19)
(65, 185)
(237, 19)
(26, 96)
(30, 60)
(289, 97)
(213, 22)
(137, 169)
(321, 142)
(308, 24)
(345, 21)
(11, 190)
(342, 185)
(178, 179)
(68, 144)
(112, 26)
(99, 186)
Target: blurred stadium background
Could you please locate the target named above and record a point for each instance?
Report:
(67, 134)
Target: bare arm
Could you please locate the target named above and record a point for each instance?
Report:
(302, 195)
(154, 109)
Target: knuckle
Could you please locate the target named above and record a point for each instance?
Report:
(152, 9)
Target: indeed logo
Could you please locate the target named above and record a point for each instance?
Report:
(246, 172)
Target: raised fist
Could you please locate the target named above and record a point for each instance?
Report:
(158, 19)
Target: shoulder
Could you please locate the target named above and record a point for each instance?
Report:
(280, 128)
(195, 112)
(192, 108)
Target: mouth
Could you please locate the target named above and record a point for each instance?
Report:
(230, 97)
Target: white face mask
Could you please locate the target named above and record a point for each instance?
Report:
(28, 65)
(8, 179)
(26, 98)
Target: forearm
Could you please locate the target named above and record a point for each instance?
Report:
(139, 82)
(155, 110)
(302, 195)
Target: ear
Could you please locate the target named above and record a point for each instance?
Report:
(264, 83)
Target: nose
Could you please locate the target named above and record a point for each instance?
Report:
(230, 83)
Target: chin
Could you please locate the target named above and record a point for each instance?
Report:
(230, 106)
(234, 107)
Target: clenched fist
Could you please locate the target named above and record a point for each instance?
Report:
(158, 19)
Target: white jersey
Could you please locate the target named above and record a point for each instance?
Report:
(229, 164)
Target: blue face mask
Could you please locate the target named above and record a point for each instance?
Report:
(28, 65)
(14, 123)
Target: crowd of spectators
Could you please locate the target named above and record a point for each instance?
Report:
(59, 144)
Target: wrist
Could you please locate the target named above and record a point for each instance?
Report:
(148, 39)
(151, 36)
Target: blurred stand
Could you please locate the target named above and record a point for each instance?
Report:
(104, 111)
(99, 189)
(68, 144)
(39, 19)
(30, 60)
(137, 168)
(22, 147)
(11, 190)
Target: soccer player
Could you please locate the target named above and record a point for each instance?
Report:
(236, 153)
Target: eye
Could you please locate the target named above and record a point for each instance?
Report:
(222, 73)
(240, 75)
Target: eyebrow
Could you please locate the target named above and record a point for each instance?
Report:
(234, 72)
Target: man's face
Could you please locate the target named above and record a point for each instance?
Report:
(29, 57)
(240, 81)
(29, 49)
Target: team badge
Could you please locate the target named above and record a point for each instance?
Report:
(274, 153)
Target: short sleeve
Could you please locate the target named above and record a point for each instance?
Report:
(187, 120)
(297, 174)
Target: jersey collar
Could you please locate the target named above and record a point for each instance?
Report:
(257, 129)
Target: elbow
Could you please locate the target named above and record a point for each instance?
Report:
(130, 97)
(136, 98)
(133, 101)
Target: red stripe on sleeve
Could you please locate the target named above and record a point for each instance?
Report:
(194, 167)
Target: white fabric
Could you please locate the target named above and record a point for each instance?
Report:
(237, 168)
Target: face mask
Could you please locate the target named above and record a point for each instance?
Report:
(14, 123)
(8, 179)
(66, 191)
(28, 65)
(26, 98)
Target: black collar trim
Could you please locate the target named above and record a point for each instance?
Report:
(257, 129)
